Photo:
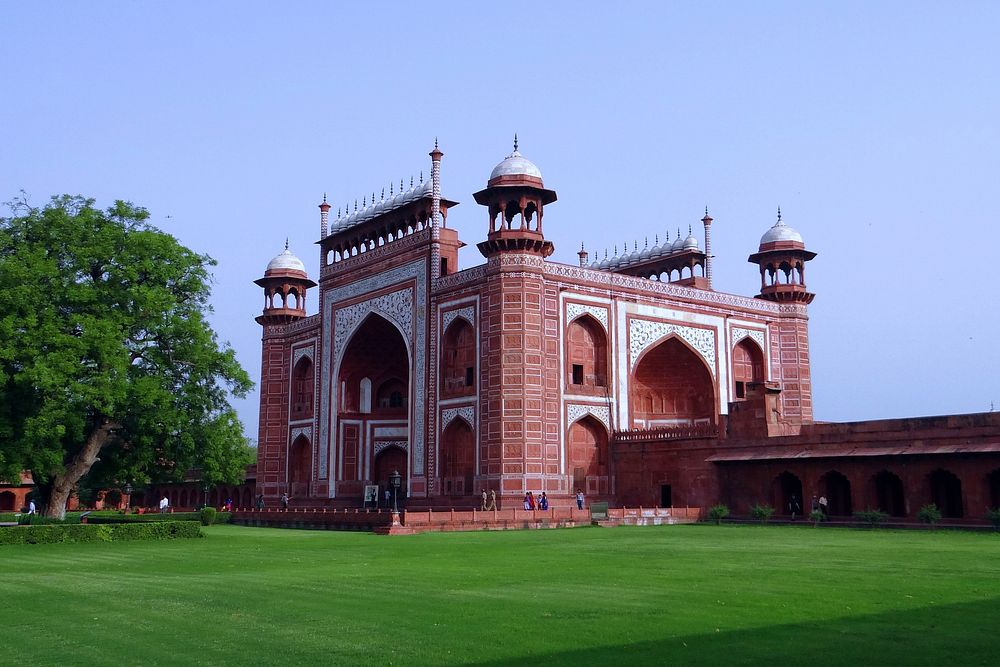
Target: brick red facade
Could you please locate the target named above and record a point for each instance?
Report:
(630, 378)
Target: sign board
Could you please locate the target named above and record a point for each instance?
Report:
(371, 493)
(598, 511)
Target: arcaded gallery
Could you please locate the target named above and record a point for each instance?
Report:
(627, 377)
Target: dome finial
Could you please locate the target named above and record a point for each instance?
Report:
(706, 210)
(421, 175)
(435, 143)
(286, 243)
(324, 197)
(689, 229)
(779, 214)
(515, 142)
(380, 198)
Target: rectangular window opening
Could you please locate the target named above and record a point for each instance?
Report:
(468, 376)
(741, 390)
(577, 374)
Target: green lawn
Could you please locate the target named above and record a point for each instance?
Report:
(680, 594)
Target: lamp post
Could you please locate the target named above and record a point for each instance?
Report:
(128, 495)
(206, 487)
(394, 482)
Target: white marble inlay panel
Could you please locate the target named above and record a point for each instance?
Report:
(644, 333)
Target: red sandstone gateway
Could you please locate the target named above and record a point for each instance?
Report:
(628, 377)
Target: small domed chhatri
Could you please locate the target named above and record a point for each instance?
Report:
(781, 233)
(285, 261)
(515, 167)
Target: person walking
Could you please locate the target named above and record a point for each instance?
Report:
(493, 500)
(793, 507)
(31, 506)
(527, 501)
(164, 505)
(579, 499)
(284, 501)
(823, 505)
(483, 504)
(260, 502)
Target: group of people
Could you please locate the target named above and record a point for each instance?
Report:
(530, 501)
(820, 504)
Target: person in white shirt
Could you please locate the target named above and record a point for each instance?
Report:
(164, 504)
(31, 507)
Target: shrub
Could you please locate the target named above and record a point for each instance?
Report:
(717, 513)
(207, 516)
(929, 514)
(873, 518)
(993, 516)
(762, 513)
(53, 534)
(816, 516)
(8, 517)
(39, 520)
(220, 517)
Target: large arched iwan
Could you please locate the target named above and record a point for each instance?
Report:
(587, 456)
(671, 386)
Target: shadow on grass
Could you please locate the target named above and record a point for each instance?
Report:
(965, 634)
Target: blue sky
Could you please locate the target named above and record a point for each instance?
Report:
(875, 126)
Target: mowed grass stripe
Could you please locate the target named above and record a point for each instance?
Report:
(735, 594)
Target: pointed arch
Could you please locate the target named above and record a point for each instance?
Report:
(946, 493)
(458, 458)
(586, 354)
(671, 386)
(377, 351)
(786, 494)
(587, 460)
(748, 366)
(458, 359)
(300, 466)
(837, 489)
(889, 493)
(303, 383)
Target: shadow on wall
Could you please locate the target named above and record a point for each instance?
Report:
(913, 636)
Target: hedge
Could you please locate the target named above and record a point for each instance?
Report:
(220, 517)
(163, 530)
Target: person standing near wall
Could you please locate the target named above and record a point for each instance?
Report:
(579, 499)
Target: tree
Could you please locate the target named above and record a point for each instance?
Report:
(106, 356)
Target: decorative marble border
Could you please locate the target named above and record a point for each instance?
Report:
(574, 310)
(397, 307)
(611, 279)
(575, 412)
(466, 412)
(302, 352)
(385, 444)
(739, 333)
(416, 270)
(468, 314)
(301, 430)
(644, 333)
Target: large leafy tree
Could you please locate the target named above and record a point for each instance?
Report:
(106, 356)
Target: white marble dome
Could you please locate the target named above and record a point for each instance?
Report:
(516, 164)
(286, 261)
(781, 232)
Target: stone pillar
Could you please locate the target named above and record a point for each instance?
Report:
(707, 221)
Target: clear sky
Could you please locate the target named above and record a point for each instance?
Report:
(875, 126)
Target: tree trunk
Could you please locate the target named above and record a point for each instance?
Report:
(64, 483)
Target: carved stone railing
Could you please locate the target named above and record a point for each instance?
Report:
(666, 433)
